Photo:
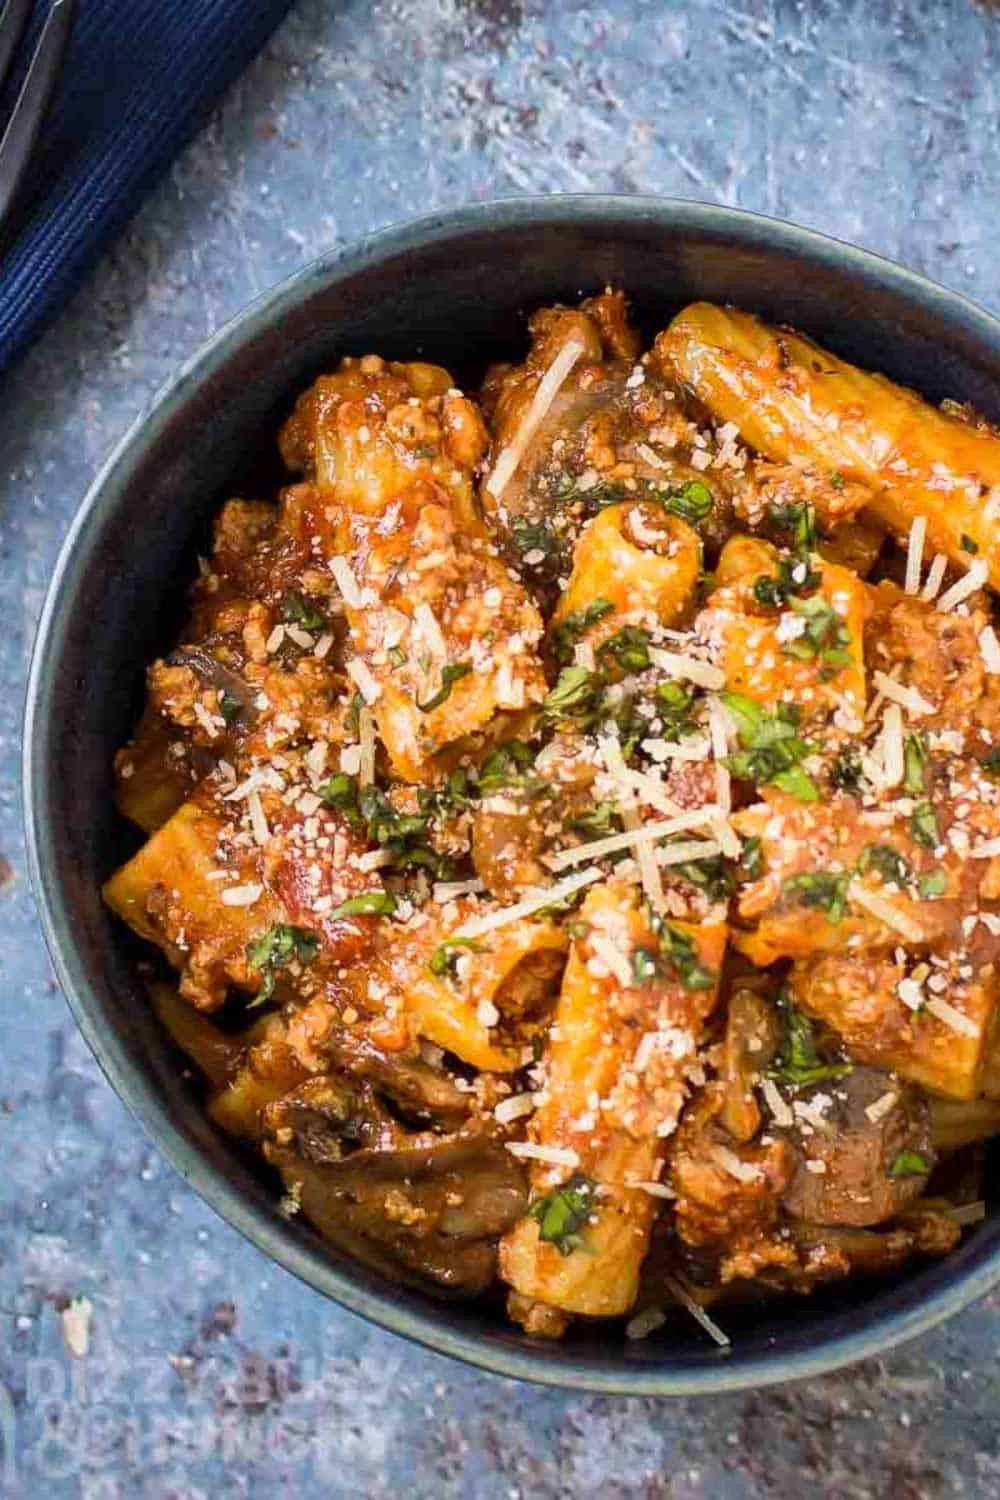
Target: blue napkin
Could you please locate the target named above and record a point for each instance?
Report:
(138, 79)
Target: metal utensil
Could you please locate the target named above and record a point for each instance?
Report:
(24, 126)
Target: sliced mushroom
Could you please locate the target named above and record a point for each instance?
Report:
(431, 1213)
(327, 1117)
(421, 1093)
(862, 1147)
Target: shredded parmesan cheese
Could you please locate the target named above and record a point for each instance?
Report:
(885, 911)
(698, 817)
(881, 1106)
(366, 747)
(346, 582)
(241, 895)
(986, 849)
(689, 667)
(915, 554)
(952, 1017)
(893, 750)
(678, 1290)
(479, 926)
(645, 1323)
(968, 1213)
(258, 822)
(363, 680)
(546, 392)
(906, 697)
(718, 728)
(426, 622)
(743, 1171)
(775, 1103)
(555, 1156)
(684, 851)
(974, 579)
(989, 650)
(935, 578)
(513, 1108)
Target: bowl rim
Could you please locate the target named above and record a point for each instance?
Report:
(888, 1325)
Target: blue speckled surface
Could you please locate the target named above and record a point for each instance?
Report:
(209, 1371)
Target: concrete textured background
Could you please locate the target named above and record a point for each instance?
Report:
(209, 1371)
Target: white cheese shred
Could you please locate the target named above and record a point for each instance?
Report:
(494, 920)
(978, 573)
(554, 1156)
(906, 697)
(699, 817)
(547, 390)
(680, 1291)
(915, 554)
(948, 1014)
(689, 667)
(882, 908)
(363, 680)
(935, 578)
(743, 1171)
(346, 582)
(989, 650)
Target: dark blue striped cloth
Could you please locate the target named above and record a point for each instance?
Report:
(139, 78)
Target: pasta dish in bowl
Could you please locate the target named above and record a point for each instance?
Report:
(572, 814)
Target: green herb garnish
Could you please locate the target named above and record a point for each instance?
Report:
(933, 884)
(229, 707)
(533, 536)
(799, 1064)
(693, 501)
(677, 950)
(297, 610)
(451, 673)
(674, 706)
(573, 695)
(771, 749)
(751, 866)
(371, 904)
(507, 766)
(915, 764)
(561, 1214)
(629, 647)
(800, 520)
(907, 1163)
(275, 950)
(576, 624)
(444, 959)
(991, 761)
(597, 820)
(924, 825)
(825, 635)
(845, 773)
(887, 862)
(968, 545)
(819, 889)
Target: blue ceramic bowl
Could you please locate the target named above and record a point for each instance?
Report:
(453, 288)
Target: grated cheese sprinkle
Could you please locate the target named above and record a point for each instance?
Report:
(952, 1017)
(546, 392)
(743, 1171)
(241, 895)
(363, 680)
(702, 673)
(346, 582)
(915, 554)
(906, 697)
(493, 920)
(556, 1156)
(680, 1291)
(935, 578)
(885, 911)
(989, 650)
(974, 579)
(698, 817)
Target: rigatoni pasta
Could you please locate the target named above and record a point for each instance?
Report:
(572, 819)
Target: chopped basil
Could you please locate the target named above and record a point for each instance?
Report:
(575, 625)
(674, 704)
(837, 479)
(798, 1063)
(968, 545)
(629, 647)
(561, 1214)
(751, 866)
(353, 720)
(933, 884)
(677, 949)
(845, 773)
(276, 949)
(371, 904)
(825, 635)
(800, 520)
(532, 536)
(692, 501)
(907, 1163)
(820, 889)
(451, 673)
(893, 867)
(991, 761)
(445, 957)
(573, 694)
(602, 818)
(507, 766)
(456, 792)
(229, 707)
(795, 576)
(297, 610)
(714, 876)
(924, 825)
(397, 656)
(771, 749)
(645, 965)
(915, 764)
(341, 791)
